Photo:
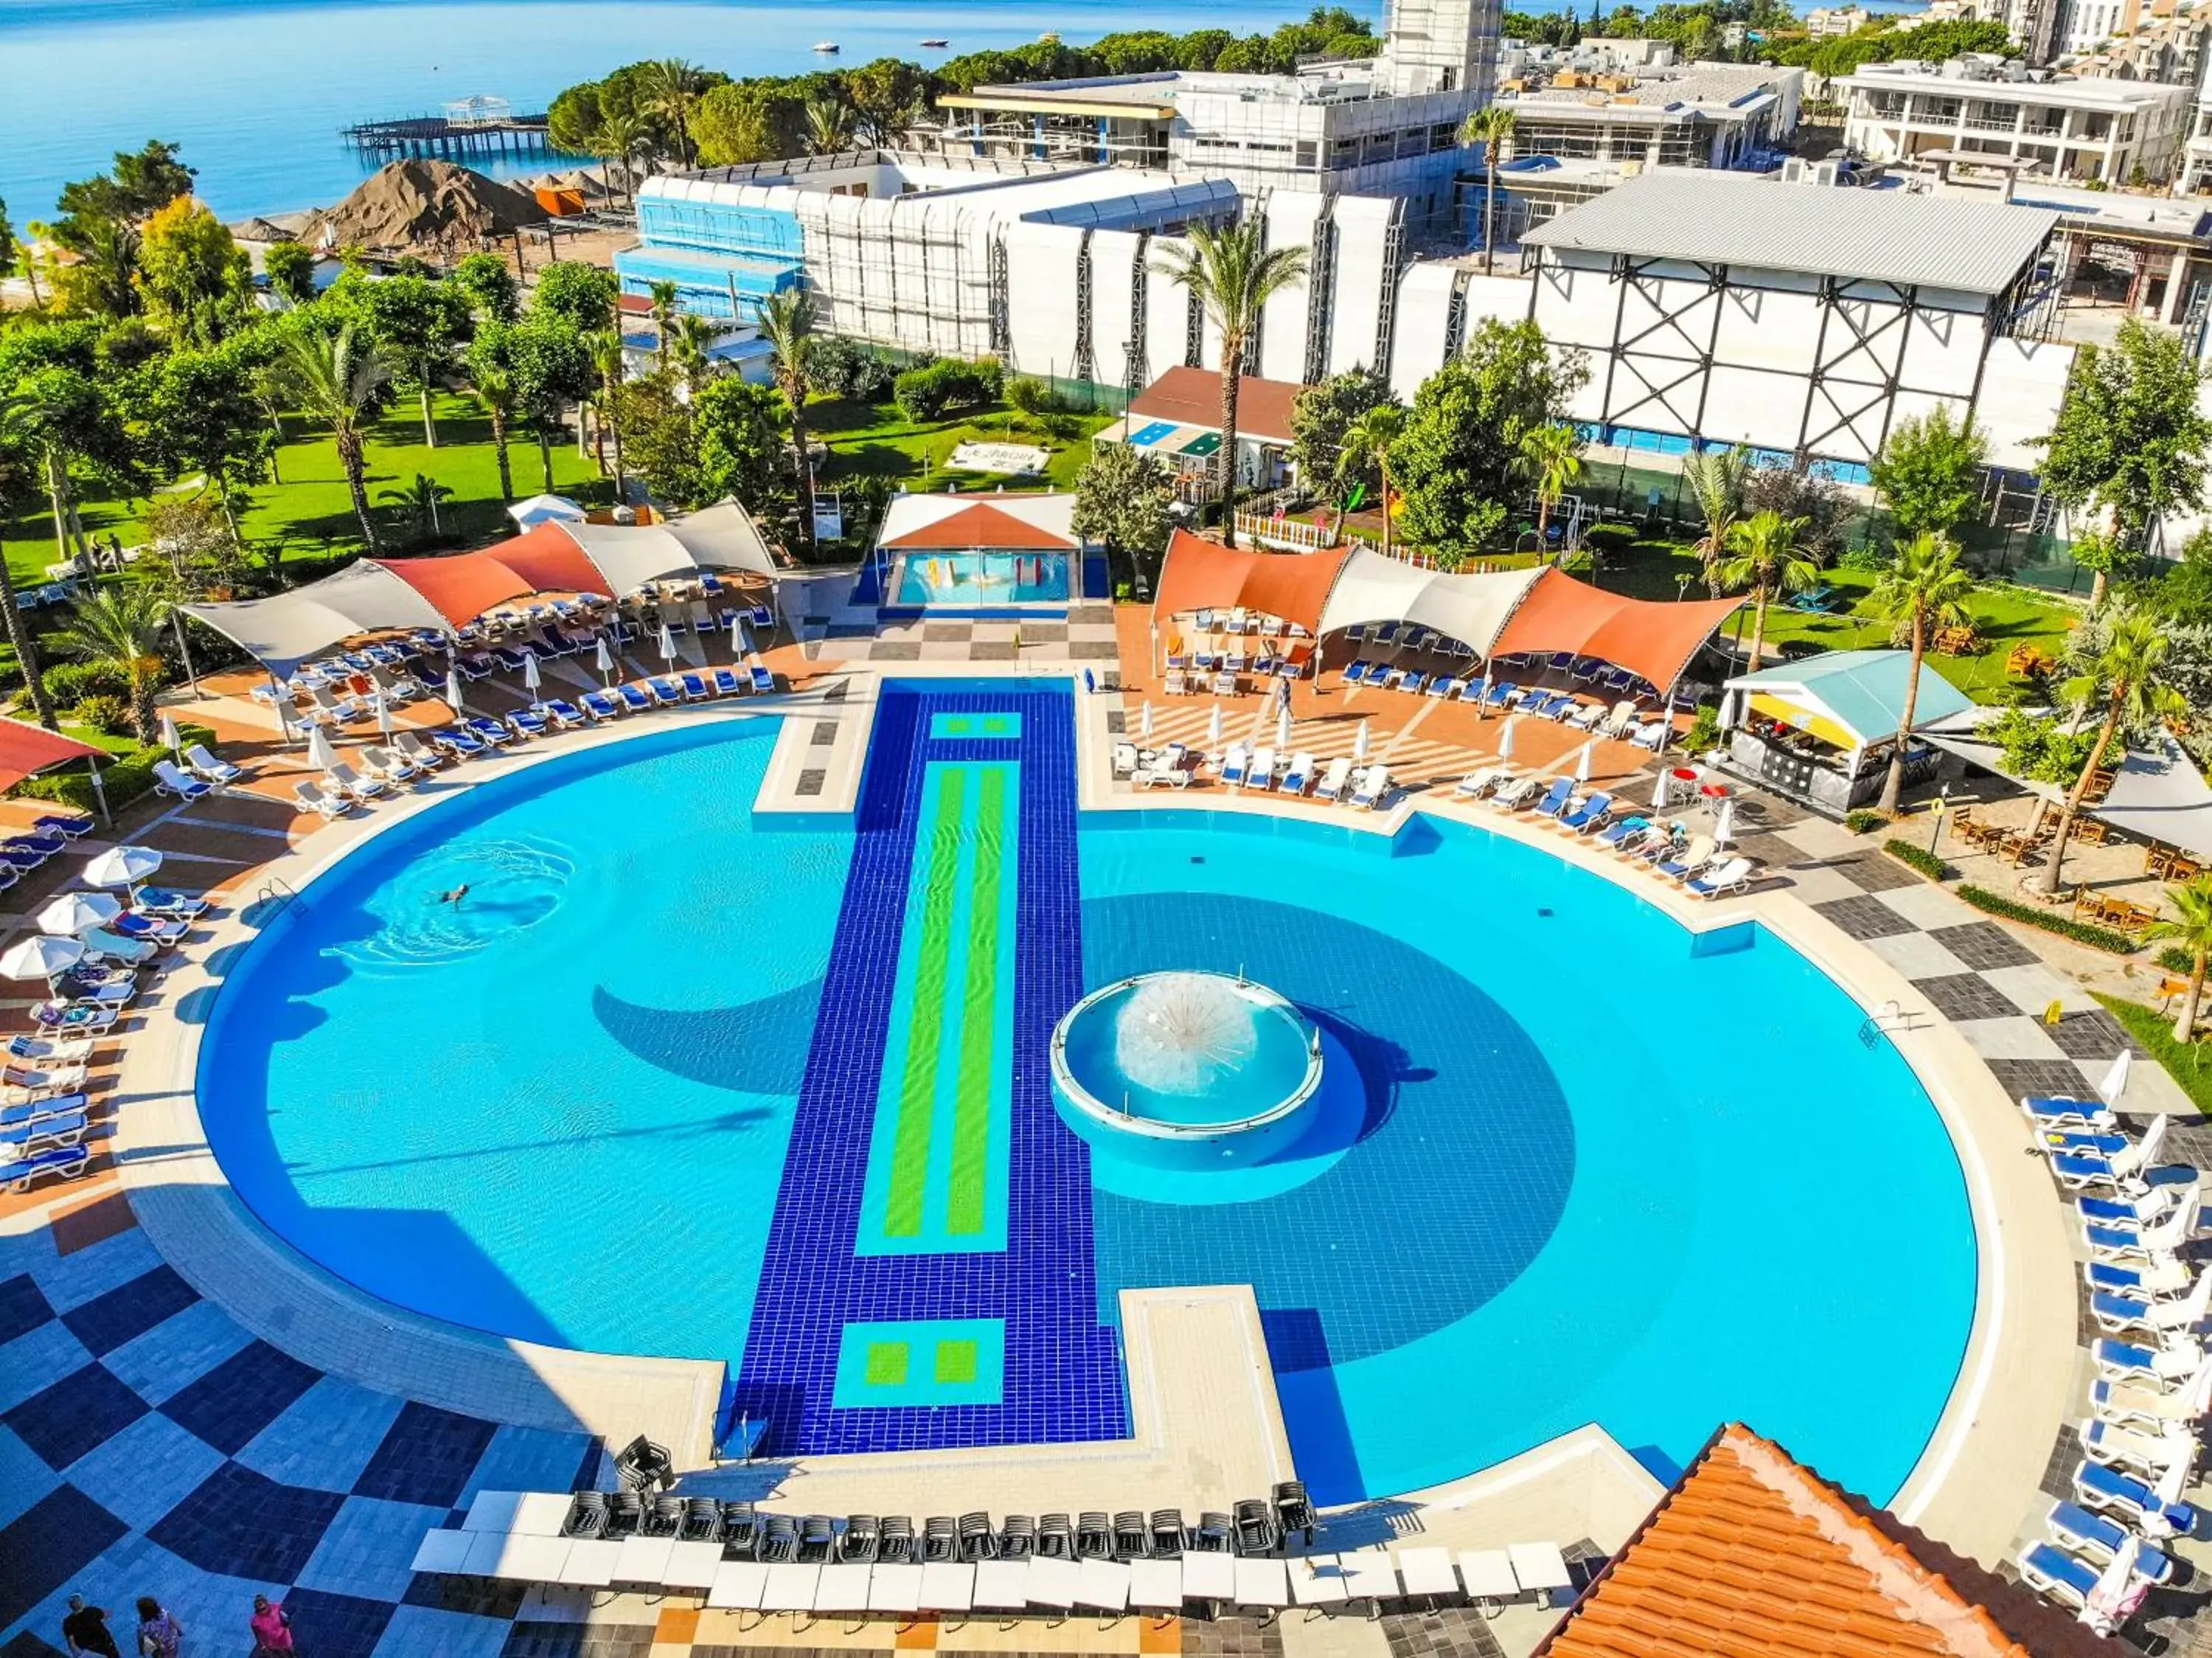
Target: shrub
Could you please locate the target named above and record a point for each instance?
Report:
(104, 713)
(937, 388)
(2175, 960)
(2081, 932)
(1705, 731)
(70, 683)
(1919, 858)
(1864, 555)
(1028, 397)
(1864, 821)
(847, 368)
(1608, 544)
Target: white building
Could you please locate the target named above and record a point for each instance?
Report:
(2072, 128)
(1661, 115)
(1825, 22)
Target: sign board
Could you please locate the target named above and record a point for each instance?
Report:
(829, 518)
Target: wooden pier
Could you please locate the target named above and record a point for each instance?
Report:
(438, 134)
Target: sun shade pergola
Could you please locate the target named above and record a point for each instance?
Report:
(1536, 611)
(27, 749)
(378, 596)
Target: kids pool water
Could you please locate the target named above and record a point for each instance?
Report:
(1595, 1170)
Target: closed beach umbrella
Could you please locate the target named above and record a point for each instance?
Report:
(604, 659)
(530, 675)
(2116, 1080)
(172, 739)
(123, 866)
(1725, 824)
(1359, 742)
(667, 644)
(453, 689)
(74, 912)
(383, 704)
(322, 753)
(1583, 763)
(2109, 1596)
(1145, 721)
(42, 955)
(1282, 728)
(1659, 789)
(738, 643)
(1213, 725)
(1505, 737)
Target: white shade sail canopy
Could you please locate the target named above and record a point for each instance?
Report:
(1470, 608)
(284, 632)
(2160, 796)
(545, 508)
(725, 537)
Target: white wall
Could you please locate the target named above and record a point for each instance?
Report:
(1114, 275)
(1042, 289)
(1292, 218)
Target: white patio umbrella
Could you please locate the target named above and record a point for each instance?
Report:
(1283, 728)
(604, 659)
(1359, 742)
(667, 644)
(738, 643)
(1213, 725)
(322, 753)
(1582, 762)
(531, 677)
(2108, 1597)
(1659, 789)
(123, 866)
(2116, 1080)
(383, 706)
(172, 739)
(1724, 822)
(42, 955)
(2147, 1148)
(453, 689)
(1505, 737)
(75, 912)
(1145, 721)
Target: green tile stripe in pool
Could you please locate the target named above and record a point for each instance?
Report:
(936, 1156)
(926, 1362)
(943, 726)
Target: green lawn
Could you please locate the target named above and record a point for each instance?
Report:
(2154, 1032)
(311, 511)
(2004, 614)
(867, 440)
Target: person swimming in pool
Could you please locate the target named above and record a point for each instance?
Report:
(454, 897)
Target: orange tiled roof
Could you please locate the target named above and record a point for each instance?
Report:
(979, 526)
(1752, 1556)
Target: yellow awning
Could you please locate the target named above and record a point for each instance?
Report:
(1804, 719)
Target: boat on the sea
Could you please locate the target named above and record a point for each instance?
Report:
(825, 46)
(939, 43)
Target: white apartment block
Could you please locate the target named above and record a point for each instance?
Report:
(1826, 22)
(1666, 114)
(2063, 127)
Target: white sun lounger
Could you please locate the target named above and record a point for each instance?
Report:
(310, 795)
(210, 768)
(347, 781)
(1372, 789)
(1333, 781)
(1488, 1576)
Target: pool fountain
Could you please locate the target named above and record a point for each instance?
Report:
(1186, 1067)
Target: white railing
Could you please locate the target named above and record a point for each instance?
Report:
(1300, 534)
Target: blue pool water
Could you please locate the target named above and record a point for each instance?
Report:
(973, 580)
(657, 1084)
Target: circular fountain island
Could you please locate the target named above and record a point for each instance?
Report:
(1189, 1070)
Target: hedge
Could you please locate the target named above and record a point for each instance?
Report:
(1865, 820)
(1919, 858)
(125, 780)
(2081, 932)
(2175, 960)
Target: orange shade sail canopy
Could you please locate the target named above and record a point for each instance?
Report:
(463, 586)
(1203, 575)
(27, 749)
(1652, 638)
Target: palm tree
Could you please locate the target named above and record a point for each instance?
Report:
(2191, 927)
(1233, 273)
(494, 387)
(664, 296)
(1553, 456)
(19, 632)
(1927, 588)
(671, 84)
(608, 364)
(1717, 477)
(2129, 677)
(341, 381)
(694, 338)
(118, 628)
(1763, 555)
(1489, 126)
(622, 134)
(828, 125)
(786, 322)
(1367, 442)
(419, 501)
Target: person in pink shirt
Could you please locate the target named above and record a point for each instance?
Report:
(272, 1626)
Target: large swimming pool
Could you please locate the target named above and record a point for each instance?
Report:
(672, 1081)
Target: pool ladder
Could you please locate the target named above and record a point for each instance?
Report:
(277, 890)
(1885, 1020)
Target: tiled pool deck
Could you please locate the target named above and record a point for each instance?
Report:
(152, 1440)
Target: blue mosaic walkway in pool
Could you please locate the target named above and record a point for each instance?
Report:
(1062, 1370)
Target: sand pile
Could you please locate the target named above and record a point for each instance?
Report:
(425, 206)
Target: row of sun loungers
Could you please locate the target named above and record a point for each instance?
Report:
(1242, 767)
(1695, 861)
(1623, 721)
(2153, 1381)
(740, 1559)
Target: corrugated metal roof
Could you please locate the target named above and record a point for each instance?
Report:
(1872, 236)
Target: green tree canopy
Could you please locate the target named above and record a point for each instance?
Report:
(1460, 456)
(197, 280)
(2130, 440)
(1930, 471)
(140, 181)
(1121, 499)
(203, 416)
(1319, 417)
(418, 325)
(488, 286)
(290, 268)
(580, 296)
(740, 442)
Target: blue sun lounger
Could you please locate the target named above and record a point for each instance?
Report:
(2117, 1211)
(72, 827)
(1593, 813)
(2098, 1538)
(131, 924)
(1358, 672)
(2054, 1110)
(727, 683)
(2101, 1487)
(490, 731)
(62, 1129)
(530, 721)
(564, 713)
(1556, 797)
(2049, 1571)
(45, 844)
(456, 741)
(763, 681)
(1501, 694)
(695, 688)
(66, 1163)
(1614, 833)
(64, 1104)
(633, 698)
(2124, 1360)
(602, 705)
(665, 692)
(509, 658)
(21, 857)
(2080, 1143)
